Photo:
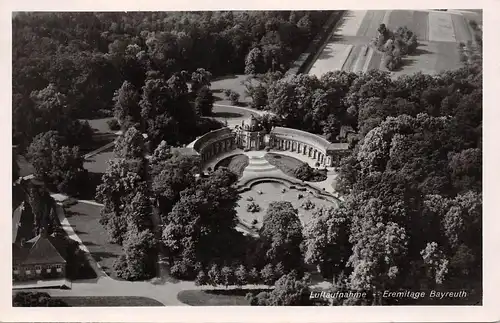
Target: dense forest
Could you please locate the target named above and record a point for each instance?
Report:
(81, 59)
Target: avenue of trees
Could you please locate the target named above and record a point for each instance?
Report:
(128, 210)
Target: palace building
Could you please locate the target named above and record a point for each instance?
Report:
(252, 136)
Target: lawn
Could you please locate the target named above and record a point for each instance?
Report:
(99, 163)
(219, 297)
(84, 218)
(99, 125)
(284, 163)
(230, 82)
(103, 301)
(236, 163)
(332, 58)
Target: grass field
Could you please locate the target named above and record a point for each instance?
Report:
(236, 163)
(416, 21)
(84, 218)
(438, 34)
(99, 125)
(232, 115)
(286, 164)
(232, 82)
(103, 301)
(331, 58)
(230, 297)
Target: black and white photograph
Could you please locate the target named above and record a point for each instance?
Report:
(247, 158)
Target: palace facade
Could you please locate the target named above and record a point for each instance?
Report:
(251, 136)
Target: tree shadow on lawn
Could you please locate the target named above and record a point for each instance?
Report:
(234, 292)
(326, 53)
(228, 115)
(89, 243)
(227, 77)
(69, 213)
(405, 61)
(335, 38)
(420, 51)
(217, 98)
(89, 188)
(100, 255)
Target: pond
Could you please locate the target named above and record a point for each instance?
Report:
(273, 191)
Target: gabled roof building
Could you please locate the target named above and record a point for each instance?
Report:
(35, 257)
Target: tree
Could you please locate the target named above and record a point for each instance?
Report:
(227, 275)
(122, 179)
(435, 261)
(462, 222)
(385, 245)
(215, 276)
(326, 240)
(130, 145)
(267, 274)
(51, 113)
(253, 276)
(170, 177)
(42, 206)
(202, 223)
(161, 154)
(282, 235)
(232, 95)
(139, 259)
(465, 169)
(304, 172)
(32, 299)
(199, 79)
(204, 101)
(57, 165)
(241, 276)
(258, 93)
(201, 279)
(166, 111)
(139, 211)
(126, 106)
(288, 291)
(254, 61)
